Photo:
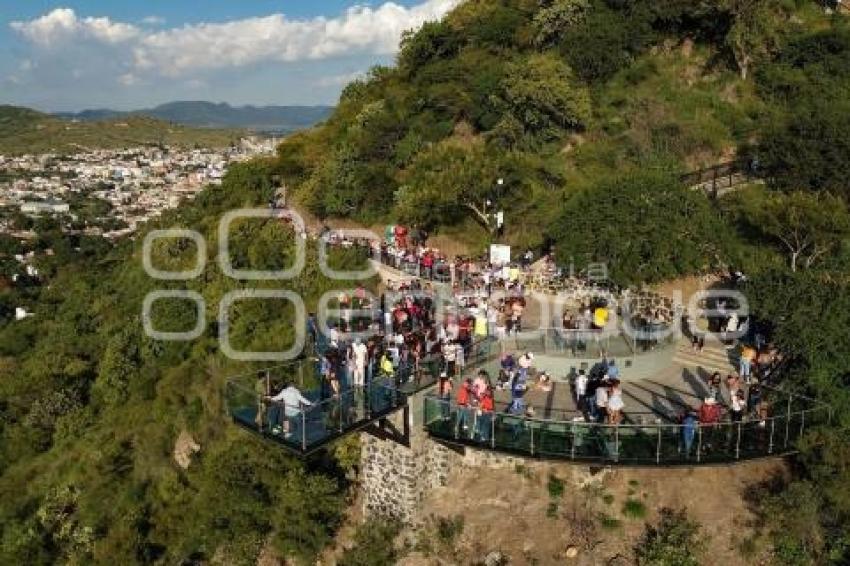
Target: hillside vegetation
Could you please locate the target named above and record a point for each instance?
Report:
(26, 131)
(551, 96)
(589, 110)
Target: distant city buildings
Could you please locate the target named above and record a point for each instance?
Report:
(38, 208)
(138, 183)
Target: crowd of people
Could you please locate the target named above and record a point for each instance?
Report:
(406, 337)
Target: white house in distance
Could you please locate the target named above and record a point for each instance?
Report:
(36, 208)
(21, 313)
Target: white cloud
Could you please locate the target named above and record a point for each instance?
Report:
(339, 80)
(128, 79)
(185, 50)
(153, 21)
(62, 24)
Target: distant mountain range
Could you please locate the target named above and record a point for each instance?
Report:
(201, 114)
(23, 130)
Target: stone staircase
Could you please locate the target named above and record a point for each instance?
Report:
(713, 357)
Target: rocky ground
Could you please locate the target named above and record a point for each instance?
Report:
(516, 514)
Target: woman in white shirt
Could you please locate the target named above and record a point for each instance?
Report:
(615, 404)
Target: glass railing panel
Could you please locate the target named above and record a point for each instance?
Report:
(796, 428)
(511, 433)
(529, 341)
(442, 418)
(619, 346)
(717, 442)
(464, 425)
(553, 439)
(285, 424)
(755, 437)
(382, 396)
(677, 444)
(637, 444)
(484, 428)
(244, 406)
(431, 413)
(324, 420)
(588, 440)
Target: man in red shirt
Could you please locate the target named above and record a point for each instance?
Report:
(465, 400)
(709, 412)
(484, 423)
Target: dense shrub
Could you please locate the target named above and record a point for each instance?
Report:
(676, 540)
(644, 225)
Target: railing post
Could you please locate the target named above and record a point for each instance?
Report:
(616, 443)
(788, 421)
(658, 445)
(303, 429)
(531, 429)
(573, 428)
(493, 430)
(699, 442)
(770, 441)
(738, 443)
(456, 427)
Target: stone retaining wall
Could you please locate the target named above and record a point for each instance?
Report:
(397, 477)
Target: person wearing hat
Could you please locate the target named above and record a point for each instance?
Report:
(525, 361)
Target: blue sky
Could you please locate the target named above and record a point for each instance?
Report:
(71, 55)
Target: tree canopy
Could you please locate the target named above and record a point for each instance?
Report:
(644, 225)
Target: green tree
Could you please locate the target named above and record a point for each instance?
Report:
(605, 42)
(542, 95)
(809, 520)
(644, 225)
(374, 545)
(446, 183)
(119, 365)
(434, 40)
(805, 137)
(808, 225)
(809, 148)
(675, 541)
(555, 19)
(755, 32)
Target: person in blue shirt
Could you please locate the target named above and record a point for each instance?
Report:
(613, 371)
(689, 430)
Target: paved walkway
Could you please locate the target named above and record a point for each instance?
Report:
(656, 384)
(672, 387)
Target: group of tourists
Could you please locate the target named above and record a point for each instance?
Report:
(599, 396)
(400, 338)
(745, 391)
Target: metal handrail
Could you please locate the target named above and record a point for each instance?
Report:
(578, 440)
(660, 422)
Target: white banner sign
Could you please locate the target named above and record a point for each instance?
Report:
(500, 254)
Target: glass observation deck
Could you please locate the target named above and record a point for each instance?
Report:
(643, 440)
(303, 427)
(306, 425)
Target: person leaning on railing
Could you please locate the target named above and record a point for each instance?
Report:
(484, 418)
(292, 402)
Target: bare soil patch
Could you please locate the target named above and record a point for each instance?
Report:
(517, 512)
